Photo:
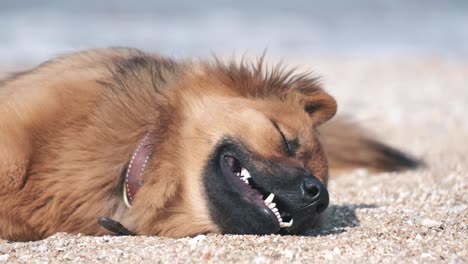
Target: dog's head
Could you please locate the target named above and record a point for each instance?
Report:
(252, 150)
(238, 152)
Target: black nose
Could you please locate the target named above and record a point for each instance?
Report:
(314, 192)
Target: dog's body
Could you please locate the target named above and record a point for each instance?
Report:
(72, 128)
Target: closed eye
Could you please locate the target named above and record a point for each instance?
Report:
(289, 146)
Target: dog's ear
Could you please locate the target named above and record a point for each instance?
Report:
(319, 105)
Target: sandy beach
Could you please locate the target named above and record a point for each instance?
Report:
(417, 104)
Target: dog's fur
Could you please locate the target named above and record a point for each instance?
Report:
(69, 127)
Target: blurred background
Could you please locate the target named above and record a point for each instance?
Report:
(32, 31)
(399, 61)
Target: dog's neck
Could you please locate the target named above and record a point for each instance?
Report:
(136, 168)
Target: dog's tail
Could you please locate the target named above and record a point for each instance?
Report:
(348, 146)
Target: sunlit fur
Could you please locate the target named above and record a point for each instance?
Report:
(69, 126)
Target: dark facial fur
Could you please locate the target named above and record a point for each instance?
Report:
(239, 208)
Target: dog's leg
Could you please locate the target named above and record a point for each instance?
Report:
(29, 106)
(13, 228)
(15, 150)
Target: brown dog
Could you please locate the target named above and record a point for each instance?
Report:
(169, 148)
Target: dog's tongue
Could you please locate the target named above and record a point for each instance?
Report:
(136, 167)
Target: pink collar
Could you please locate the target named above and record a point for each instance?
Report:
(136, 168)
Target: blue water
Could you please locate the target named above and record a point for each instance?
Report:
(31, 31)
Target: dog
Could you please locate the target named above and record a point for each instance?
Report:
(121, 141)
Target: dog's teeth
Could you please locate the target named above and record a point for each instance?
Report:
(270, 198)
(245, 173)
(275, 210)
(272, 205)
(283, 225)
(277, 214)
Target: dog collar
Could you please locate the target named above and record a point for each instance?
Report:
(136, 167)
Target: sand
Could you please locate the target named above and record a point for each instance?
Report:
(420, 105)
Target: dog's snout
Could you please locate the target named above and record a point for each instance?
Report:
(311, 188)
(314, 192)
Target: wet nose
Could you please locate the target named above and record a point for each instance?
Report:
(314, 192)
